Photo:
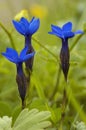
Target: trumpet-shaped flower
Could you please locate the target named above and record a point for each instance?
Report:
(13, 56)
(64, 33)
(25, 27)
(21, 79)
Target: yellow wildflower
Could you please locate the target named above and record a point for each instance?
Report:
(38, 11)
(22, 13)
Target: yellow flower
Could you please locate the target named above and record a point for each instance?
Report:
(38, 11)
(22, 13)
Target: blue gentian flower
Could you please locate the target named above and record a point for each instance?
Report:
(12, 55)
(64, 33)
(21, 79)
(27, 28)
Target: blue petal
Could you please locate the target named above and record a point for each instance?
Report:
(34, 25)
(19, 27)
(56, 29)
(79, 32)
(57, 34)
(23, 52)
(67, 27)
(9, 57)
(32, 19)
(68, 34)
(28, 56)
(26, 24)
(24, 21)
(12, 52)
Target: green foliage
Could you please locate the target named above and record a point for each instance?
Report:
(32, 120)
(80, 126)
(5, 109)
(45, 92)
(5, 123)
(27, 120)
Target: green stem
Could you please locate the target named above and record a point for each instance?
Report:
(23, 104)
(76, 105)
(64, 104)
(45, 48)
(38, 86)
(76, 40)
(57, 83)
(60, 127)
(75, 119)
(9, 35)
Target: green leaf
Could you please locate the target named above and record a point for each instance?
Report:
(80, 126)
(15, 113)
(32, 120)
(5, 123)
(55, 114)
(5, 109)
(84, 26)
(38, 86)
(38, 104)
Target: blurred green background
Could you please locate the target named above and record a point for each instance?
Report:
(46, 68)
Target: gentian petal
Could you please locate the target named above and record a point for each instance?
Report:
(32, 19)
(79, 32)
(26, 24)
(68, 34)
(25, 27)
(24, 21)
(67, 27)
(28, 56)
(57, 34)
(12, 52)
(34, 25)
(56, 29)
(19, 27)
(23, 52)
(9, 57)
